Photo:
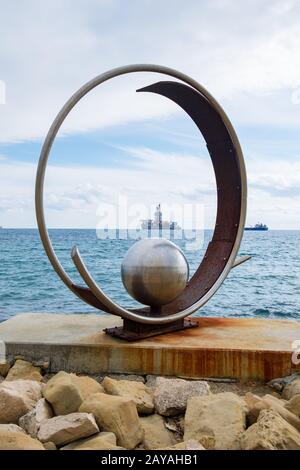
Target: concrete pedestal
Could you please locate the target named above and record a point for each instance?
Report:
(246, 348)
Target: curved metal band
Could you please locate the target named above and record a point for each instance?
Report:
(193, 296)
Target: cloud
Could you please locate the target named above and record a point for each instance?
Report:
(248, 56)
(73, 195)
(275, 177)
(245, 55)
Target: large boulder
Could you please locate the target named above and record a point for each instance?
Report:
(86, 385)
(68, 428)
(136, 391)
(117, 415)
(66, 392)
(171, 395)
(256, 404)
(218, 419)
(293, 405)
(24, 370)
(291, 389)
(18, 441)
(270, 432)
(156, 435)
(17, 398)
(32, 420)
(101, 441)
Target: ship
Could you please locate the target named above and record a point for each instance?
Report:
(258, 227)
(158, 223)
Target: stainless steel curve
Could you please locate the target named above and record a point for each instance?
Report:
(40, 178)
(99, 293)
(240, 260)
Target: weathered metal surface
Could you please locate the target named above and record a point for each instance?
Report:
(229, 181)
(244, 348)
(134, 331)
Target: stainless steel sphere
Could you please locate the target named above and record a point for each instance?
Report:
(154, 271)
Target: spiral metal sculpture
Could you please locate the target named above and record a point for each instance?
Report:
(228, 163)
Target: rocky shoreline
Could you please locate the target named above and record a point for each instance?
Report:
(65, 411)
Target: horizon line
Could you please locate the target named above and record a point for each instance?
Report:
(94, 228)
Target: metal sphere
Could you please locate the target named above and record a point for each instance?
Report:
(154, 271)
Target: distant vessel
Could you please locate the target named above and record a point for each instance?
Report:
(258, 227)
(158, 223)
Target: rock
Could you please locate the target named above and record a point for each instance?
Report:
(136, 391)
(24, 370)
(293, 405)
(49, 446)
(18, 441)
(256, 404)
(271, 432)
(291, 389)
(117, 415)
(176, 425)
(44, 364)
(156, 435)
(64, 429)
(102, 441)
(11, 428)
(32, 420)
(66, 392)
(171, 395)
(87, 386)
(63, 394)
(191, 444)
(4, 368)
(151, 381)
(17, 398)
(279, 383)
(276, 384)
(217, 420)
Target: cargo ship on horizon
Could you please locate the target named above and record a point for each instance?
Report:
(258, 227)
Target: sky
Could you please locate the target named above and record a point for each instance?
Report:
(137, 146)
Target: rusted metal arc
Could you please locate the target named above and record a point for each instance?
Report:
(87, 294)
(229, 185)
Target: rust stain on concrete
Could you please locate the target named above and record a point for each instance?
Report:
(246, 348)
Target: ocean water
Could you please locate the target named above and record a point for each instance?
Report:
(266, 286)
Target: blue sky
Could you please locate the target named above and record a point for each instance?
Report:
(140, 145)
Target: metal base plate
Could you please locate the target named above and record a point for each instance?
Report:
(133, 331)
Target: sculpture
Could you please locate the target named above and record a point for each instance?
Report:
(166, 312)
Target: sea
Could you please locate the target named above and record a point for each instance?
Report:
(267, 286)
